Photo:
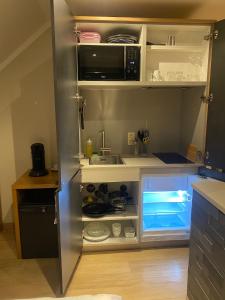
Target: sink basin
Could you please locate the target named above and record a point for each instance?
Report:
(106, 160)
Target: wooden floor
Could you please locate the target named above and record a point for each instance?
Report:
(135, 275)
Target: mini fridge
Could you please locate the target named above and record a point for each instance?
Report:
(166, 206)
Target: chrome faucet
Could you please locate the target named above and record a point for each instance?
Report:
(103, 149)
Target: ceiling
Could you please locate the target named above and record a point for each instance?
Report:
(20, 19)
(208, 9)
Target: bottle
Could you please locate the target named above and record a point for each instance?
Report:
(89, 148)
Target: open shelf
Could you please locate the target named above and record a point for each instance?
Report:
(166, 48)
(174, 83)
(129, 214)
(139, 84)
(121, 241)
(108, 44)
(109, 84)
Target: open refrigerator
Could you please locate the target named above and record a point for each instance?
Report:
(166, 206)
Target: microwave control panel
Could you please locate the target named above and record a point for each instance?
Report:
(132, 63)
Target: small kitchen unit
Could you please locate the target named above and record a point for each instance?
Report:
(173, 98)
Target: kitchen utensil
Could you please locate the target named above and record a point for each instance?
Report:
(89, 199)
(122, 38)
(118, 204)
(97, 210)
(116, 229)
(96, 232)
(90, 188)
(141, 135)
(103, 187)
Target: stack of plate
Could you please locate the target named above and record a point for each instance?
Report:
(96, 232)
(122, 38)
(90, 37)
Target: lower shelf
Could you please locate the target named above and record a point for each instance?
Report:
(121, 242)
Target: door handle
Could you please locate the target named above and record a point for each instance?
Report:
(55, 204)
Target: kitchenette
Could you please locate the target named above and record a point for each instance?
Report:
(140, 133)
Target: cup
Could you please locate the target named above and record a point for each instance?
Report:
(116, 229)
(171, 40)
(157, 76)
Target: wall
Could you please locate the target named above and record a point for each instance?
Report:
(119, 112)
(26, 114)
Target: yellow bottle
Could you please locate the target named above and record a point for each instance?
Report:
(89, 148)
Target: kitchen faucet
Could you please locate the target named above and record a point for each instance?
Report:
(103, 149)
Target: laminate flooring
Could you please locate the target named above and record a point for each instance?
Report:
(157, 274)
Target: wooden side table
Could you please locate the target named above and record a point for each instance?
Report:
(25, 182)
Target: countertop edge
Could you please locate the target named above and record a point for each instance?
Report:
(209, 190)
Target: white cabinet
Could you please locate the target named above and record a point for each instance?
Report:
(127, 218)
(177, 54)
(182, 63)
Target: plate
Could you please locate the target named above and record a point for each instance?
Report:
(96, 232)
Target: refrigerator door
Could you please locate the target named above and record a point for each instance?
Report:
(68, 200)
(215, 142)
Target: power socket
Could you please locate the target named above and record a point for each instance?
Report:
(130, 138)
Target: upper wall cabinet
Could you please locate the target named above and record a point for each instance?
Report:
(177, 54)
(169, 55)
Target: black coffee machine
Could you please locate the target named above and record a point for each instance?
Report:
(38, 160)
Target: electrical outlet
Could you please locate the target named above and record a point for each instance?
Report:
(130, 138)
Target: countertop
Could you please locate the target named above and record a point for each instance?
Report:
(130, 161)
(213, 190)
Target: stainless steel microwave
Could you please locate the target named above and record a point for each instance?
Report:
(108, 62)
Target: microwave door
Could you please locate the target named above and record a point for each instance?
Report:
(101, 63)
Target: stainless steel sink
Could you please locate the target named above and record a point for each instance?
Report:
(106, 160)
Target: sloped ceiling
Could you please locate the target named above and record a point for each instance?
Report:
(19, 19)
(208, 9)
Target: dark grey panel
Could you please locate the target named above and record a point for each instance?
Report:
(206, 277)
(65, 80)
(68, 201)
(215, 142)
(70, 229)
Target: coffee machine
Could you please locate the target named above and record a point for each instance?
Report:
(38, 160)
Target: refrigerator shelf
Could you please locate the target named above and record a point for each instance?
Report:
(164, 208)
(163, 222)
(166, 197)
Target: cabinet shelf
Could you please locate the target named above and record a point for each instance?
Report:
(110, 84)
(129, 214)
(166, 48)
(110, 242)
(174, 84)
(139, 84)
(108, 44)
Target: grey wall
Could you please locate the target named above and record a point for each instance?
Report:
(119, 112)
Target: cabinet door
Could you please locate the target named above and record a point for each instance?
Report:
(68, 199)
(215, 141)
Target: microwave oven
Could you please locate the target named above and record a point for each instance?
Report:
(108, 62)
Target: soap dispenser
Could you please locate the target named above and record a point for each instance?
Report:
(89, 148)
